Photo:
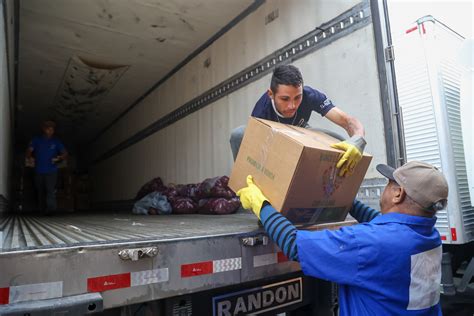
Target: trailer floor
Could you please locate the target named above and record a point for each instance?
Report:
(40, 232)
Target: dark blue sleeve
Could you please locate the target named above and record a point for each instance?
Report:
(363, 213)
(280, 230)
(317, 100)
(261, 107)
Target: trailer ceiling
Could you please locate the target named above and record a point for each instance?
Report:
(130, 45)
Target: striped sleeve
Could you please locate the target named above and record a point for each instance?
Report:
(280, 230)
(363, 213)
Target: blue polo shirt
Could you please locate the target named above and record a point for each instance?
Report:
(388, 266)
(313, 100)
(45, 149)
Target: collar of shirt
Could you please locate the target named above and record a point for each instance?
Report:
(275, 109)
(404, 219)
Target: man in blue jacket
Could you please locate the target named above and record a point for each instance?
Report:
(390, 263)
(288, 101)
(44, 152)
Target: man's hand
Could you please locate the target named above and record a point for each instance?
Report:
(353, 149)
(252, 197)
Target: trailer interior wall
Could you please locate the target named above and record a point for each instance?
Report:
(197, 146)
(5, 110)
(244, 44)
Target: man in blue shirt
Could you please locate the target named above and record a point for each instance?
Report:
(44, 152)
(390, 263)
(288, 101)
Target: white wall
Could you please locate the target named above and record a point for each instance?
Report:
(246, 43)
(197, 146)
(5, 114)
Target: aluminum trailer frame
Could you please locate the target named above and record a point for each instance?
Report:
(151, 258)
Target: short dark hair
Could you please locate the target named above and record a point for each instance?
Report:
(287, 75)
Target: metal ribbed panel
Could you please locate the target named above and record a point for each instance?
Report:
(33, 232)
(451, 76)
(429, 90)
(416, 101)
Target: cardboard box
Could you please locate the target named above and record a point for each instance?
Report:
(296, 170)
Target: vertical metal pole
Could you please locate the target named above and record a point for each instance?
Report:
(388, 90)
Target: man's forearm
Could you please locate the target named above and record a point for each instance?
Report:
(354, 127)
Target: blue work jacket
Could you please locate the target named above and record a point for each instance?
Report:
(388, 266)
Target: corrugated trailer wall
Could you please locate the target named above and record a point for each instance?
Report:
(5, 111)
(197, 146)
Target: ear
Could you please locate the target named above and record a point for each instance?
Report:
(399, 195)
(270, 93)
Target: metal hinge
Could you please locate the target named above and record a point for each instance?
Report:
(138, 253)
(389, 53)
(255, 241)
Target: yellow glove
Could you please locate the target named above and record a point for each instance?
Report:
(353, 149)
(252, 197)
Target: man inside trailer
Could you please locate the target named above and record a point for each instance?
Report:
(288, 101)
(390, 263)
(44, 153)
